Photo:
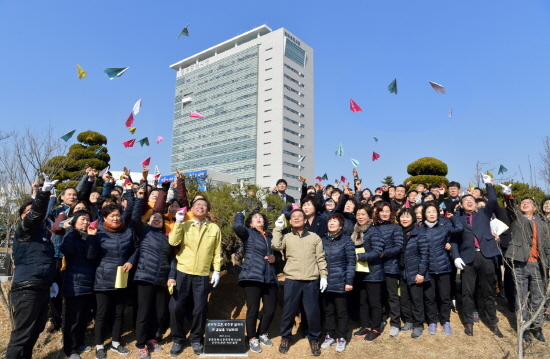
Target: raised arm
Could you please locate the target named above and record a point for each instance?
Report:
(183, 197)
(160, 204)
(34, 218)
(137, 223)
(239, 227)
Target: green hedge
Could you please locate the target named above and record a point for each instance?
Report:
(428, 180)
(427, 166)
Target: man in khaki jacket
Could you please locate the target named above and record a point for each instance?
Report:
(199, 243)
(305, 264)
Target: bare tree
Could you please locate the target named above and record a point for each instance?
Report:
(23, 155)
(545, 159)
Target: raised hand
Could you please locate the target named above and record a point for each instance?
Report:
(507, 190)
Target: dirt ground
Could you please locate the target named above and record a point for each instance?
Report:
(227, 302)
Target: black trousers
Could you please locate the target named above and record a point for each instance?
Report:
(306, 292)
(509, 284)
(393, 306)
(76, 313)
(482, 269)
(30, 314)
(56, 303)
(151, 305)
(336, 314)
(189, 286)
(370, 310)
(110, 304)
(405, 301)
(439, 294)
(254, 293)
(416, 293)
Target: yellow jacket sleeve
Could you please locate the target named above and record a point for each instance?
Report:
(217, 258)
(176, 235)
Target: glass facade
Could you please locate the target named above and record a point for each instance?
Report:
(295, 53)
(226, 92)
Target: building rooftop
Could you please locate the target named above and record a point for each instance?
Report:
(224, 46)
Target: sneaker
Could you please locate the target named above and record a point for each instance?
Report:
(394, 331)
(476, 317)
(84, 349)
(143, 353)
(265, 340)
(408, 326)
(100, 354)
(176, 349)
(197, 348)
(315, 350)
(75, 356)
(153, 346)
(447, 329)
(432, 329)
(254, 345)
(372, 336)
(120, 350)
(283, 348)
(340, 345)
(328, 342)
(417, 332)
(361, 332)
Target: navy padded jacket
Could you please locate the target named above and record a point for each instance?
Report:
(340, 257)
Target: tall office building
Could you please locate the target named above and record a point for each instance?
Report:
(256, 93)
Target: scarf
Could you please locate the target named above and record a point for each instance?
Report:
(109, 228)
(331, 237)
(357, 235)
(430, 224)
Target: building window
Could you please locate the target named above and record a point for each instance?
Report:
(293, 100)
(269, 89)
(293, 111)
(295, 53)
(267, 143)
(293, 132)
(266, 176)
(267, 110)
(290, 176)
(267, 165)
(269, 49)
(267, 132)
(292, 188)
(293, 143)
(269, 69)
(294, 70)
(267, 154)
(268, 59)
(268, 79)
(294, 122)
(267, 121)
(291, 165)
(267, 100)
(291, 153)
(294, 80)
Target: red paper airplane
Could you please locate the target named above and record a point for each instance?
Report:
(375, 156)
(130, 120)
(353, 106)
(129, 143)
(319, 178)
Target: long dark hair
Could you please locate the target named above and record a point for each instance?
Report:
(378, 206)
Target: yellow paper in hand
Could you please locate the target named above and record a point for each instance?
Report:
(121, 278)
(361, 266)
(171, 289)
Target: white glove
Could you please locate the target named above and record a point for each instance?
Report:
(48, 185)
(485, 178)
(180, 215)
(280, 222)
(54, 289)
(215, 278)
(507, 190)
(323, 284)
(459, 263)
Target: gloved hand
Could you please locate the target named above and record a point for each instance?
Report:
(48, 185)
(323, 284)
(180, 215)
(485, 178)
(507, 190)
(459, 263)
(54, 289)
(215, 278)
(280, 222)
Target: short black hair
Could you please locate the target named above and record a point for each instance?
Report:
(454, 184)
(433, 185)
(24, 206)
(110, 208)
(404, 210)
(298, 210)
(282, 180)
(80, 214)
(328, 186)
(365, 206)
(249, 219)
(400, 185)
(313, 199)
(338, 217)
(105, 198)
(422, 184)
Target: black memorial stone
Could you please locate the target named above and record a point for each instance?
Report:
(225, 337)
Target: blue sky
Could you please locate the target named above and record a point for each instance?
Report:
(492, 57)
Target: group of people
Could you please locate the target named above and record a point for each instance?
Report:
(392, 255)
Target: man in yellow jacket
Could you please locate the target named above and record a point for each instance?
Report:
(305, 275)
(200, 247)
